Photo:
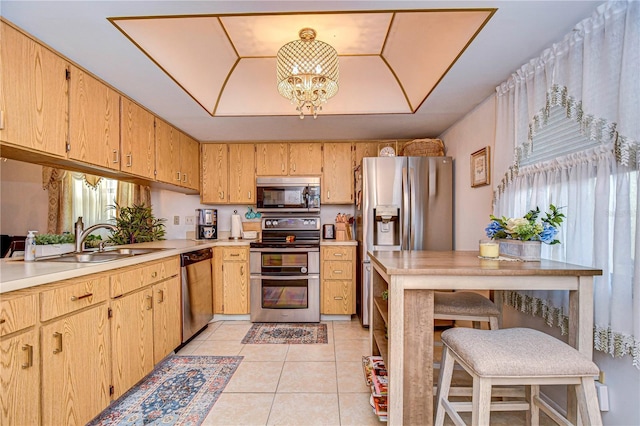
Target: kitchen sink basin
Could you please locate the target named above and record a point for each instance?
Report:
(100, 256)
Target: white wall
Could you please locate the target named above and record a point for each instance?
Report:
(24, 204)
(471, 206)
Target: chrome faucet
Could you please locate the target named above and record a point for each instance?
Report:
(81, 234)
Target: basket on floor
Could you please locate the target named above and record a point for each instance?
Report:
(423, 148)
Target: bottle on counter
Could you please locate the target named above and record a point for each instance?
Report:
(30, 247)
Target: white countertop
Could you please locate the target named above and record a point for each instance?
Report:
(324, 242)
(15, 274)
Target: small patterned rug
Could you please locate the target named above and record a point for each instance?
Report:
(179, 391)
(294, 333)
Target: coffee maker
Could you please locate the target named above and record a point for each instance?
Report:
(207, 224)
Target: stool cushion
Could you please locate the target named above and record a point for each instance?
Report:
(516, 352)
(463, 303)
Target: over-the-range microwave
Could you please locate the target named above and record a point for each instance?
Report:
(288, 194)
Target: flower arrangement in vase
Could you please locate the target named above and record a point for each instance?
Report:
(521, 237)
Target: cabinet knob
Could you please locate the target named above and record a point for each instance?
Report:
(116, 156)
(338, 298)
(2, 320)
(184, 178)
(337, 271)
(178, 176)
(129, 160)
(338, 254)
(328, 194)
(154, 274)
(149, 302)
(161, 294)
(84, 296)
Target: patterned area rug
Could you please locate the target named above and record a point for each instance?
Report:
(286, 333)
(179, 391)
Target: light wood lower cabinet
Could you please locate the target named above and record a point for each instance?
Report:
(167, 317)
(75, 367)
(231, 280)
(131, 339)
(338, 280)
(20, 379)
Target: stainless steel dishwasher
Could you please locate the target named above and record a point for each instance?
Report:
(197, 291)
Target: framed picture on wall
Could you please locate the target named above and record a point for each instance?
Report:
(480, 167)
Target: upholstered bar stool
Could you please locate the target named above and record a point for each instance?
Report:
(514, 356)
(465, 306)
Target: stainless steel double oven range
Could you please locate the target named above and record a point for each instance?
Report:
(285, 263)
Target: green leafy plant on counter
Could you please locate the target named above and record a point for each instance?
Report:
(136, 224)
(45, 239)
(93, 241)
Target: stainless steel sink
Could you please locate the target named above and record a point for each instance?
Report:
(100, 256)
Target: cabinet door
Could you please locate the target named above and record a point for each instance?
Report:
(337, 174)
(34, 101)
(235, 287)
(242, 177)
(20, 379)
(137, 140)
(215, 173)
(190, 162)
(167, 153)
(305, 158)
(337, 297)
(167, 318)
(364, 149)
(131, 339)
(75, 367)
(271, 159)
(94, 121)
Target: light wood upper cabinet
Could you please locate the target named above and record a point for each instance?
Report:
(20, 378)
(94, 121)
(337, 173)
(75, 367)
(364, 149)
(177, 156)
(167, 318)
(137, 140)
(167, 153)
(305, 158)
(215, 173)
(242, 177)
(190, 162)
(34, 103)
(271, 159)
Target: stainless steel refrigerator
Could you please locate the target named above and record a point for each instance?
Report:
(402, 203)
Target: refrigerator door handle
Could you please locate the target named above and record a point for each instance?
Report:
(412, 188)
(405, 211)
(432, 177)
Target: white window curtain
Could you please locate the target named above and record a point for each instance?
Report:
(592, 76)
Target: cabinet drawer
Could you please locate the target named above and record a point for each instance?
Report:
(337, 253)
(337, 297)
(17, 311)
(72, 295)
(336, 270)
(234, 253)
(139, 276)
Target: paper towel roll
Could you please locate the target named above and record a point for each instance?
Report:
(236, 225)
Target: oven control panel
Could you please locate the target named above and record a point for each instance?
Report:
(291, 223)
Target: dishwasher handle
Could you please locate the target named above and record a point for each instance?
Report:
(195, 256)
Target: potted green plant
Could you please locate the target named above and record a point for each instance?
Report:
(54, 244)
(136, 224)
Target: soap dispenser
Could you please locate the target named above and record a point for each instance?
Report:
(30, 247)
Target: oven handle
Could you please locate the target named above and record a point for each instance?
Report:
(284, 250)
(285, 277)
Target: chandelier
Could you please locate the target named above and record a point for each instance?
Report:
(307, 72)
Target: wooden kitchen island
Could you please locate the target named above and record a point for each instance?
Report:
(412, 276)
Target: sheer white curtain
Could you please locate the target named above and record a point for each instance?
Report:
(592, 75)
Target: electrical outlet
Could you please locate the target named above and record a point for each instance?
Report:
(176, 220)
(189, 220)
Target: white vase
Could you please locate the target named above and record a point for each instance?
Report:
(523, 250)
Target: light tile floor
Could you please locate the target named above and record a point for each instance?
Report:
(298, 385)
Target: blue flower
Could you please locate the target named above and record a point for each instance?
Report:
(548, 233)
(493, 228)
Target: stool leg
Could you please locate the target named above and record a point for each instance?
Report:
(494, 323)
(444, 383)
(481, 402)
(533, 415)
(588, 402)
